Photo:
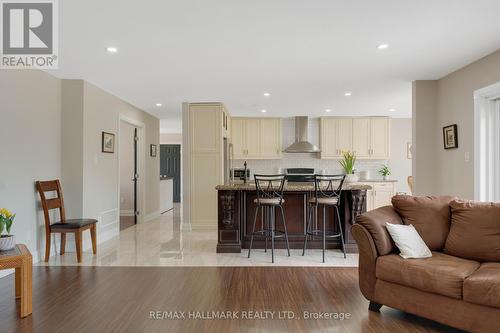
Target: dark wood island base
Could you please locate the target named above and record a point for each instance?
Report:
(236, 209)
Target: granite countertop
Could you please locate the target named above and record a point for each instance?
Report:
(298, 187)
(377, 181)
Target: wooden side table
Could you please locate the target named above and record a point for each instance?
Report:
(20, 259)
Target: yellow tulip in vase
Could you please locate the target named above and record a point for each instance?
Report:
(7, 242)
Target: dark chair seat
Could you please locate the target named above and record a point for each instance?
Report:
(73, 224)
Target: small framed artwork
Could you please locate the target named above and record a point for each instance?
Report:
(450, 136)
(152, 150)
(409, 148)
(108, 142)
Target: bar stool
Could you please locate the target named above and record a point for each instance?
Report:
(269, 197)
(327, 190)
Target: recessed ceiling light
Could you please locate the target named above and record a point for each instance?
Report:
(266, 94)
(347, 94)
(159, 104)
(111, 49)
(263, 111)
(328, 110)
(392, 110)
(382, 46)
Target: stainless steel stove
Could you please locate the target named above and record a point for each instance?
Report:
(300, 174)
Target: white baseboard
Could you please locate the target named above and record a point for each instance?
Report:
(152, 216)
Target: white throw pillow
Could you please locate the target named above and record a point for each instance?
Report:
(408, 241)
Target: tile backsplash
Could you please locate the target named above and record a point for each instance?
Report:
(308, 161)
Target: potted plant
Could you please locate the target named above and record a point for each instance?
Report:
(384, 172)
(7, 241)
(347, 164)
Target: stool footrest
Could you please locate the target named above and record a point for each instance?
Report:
(267, 233)
(320, 233)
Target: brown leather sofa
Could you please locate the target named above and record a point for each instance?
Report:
(459, 285)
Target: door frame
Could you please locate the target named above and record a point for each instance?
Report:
(180, 167)
(141, 164)
(483, 100)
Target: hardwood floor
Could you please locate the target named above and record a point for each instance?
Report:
(121, 299)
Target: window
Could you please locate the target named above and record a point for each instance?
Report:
(487, 143)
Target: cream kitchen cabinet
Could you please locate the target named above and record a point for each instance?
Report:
(238, 137)
(380, 138)
(380, 195)
(368, 137)
(336, 136)
(361, 137)
(256, 138)
(270, 137)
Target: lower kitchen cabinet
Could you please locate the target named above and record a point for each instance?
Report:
(380, 195)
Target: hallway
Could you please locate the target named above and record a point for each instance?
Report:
(162, 243)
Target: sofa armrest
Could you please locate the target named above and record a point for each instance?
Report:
(367, 260)
(374, 222)
(373, 241)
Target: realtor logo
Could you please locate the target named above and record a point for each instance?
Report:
(29, 34)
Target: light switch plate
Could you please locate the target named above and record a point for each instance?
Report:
(467, 157)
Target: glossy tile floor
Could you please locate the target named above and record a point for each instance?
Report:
(162, 243)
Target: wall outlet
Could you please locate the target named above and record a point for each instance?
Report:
(467, 157)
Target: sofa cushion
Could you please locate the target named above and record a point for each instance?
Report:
(440, 274)
(475, 231)
(429, 215)
(483, 286)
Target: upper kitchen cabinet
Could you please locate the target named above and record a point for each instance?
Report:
(368, 137)
(336, 136)
(256, 138)
(238, 137)
(270, 133)
(361, 138)
(380, 138)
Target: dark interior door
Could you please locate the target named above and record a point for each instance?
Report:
(170, 166)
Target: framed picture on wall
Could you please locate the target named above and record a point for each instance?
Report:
(152, 150)
(450, 136)
(108, 142)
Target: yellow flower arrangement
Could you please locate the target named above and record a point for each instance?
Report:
(6, 219)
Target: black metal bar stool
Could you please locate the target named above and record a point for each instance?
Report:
(269, 197)
(327, 190)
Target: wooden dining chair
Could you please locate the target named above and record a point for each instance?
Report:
(63, 226)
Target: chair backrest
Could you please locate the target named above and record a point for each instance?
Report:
(410, 183)
(52, 203)
(269, 186)
(328, 186)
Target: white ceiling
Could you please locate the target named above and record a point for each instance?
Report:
(305, 53)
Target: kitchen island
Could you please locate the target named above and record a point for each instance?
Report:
(236, 209)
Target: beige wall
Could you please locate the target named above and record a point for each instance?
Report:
(454, 104)
(30, 147)
(424, 137)
(101, 113)
(72, 147)
(171, 138)
(51, 128)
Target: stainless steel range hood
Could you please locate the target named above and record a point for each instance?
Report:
(301, 144)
